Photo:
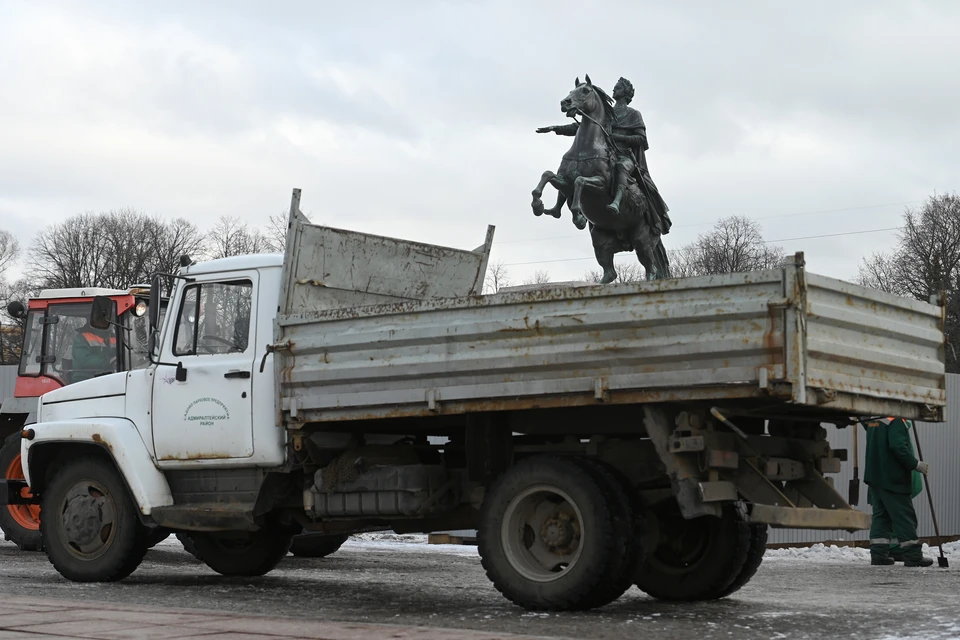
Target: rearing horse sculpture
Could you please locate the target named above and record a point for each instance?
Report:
(584, 179)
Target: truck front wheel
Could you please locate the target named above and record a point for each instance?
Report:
(547, 536)
(90, 527)
(20, 523)
(697, 559)
(242, 553)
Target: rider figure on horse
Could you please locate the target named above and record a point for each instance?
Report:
(630, 135)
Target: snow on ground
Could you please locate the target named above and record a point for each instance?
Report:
(417, 543)
(834, 554)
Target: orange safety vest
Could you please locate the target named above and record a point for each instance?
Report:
(95, 340)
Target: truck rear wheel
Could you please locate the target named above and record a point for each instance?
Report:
(547, 537)
(90, 527)
(628, 555)
(20, 523)
(697, 559)
(758, 546)
(242, 553)
(316, 545)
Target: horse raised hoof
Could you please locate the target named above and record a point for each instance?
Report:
(580, 222)
(537, 207)
(609, 275)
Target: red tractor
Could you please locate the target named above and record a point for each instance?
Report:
(60, 348)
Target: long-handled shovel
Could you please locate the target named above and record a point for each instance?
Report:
(942, 560)
(853, 493)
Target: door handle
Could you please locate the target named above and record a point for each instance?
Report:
(237, 374)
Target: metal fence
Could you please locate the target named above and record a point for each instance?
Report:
(8, 379)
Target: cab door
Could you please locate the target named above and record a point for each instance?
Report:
(202, 408)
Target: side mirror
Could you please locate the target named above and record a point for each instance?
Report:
(16, 310)
(155, 302)
(100, 312)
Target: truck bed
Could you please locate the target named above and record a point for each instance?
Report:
(777, 338)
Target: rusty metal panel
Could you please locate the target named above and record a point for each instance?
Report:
(591, 342)
(875, 345)
(327, 268)
(432, 348)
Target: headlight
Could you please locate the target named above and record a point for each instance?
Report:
(140, 309)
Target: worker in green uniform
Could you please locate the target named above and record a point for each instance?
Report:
(889, 468)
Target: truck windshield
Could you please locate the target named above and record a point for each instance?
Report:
(138, 357)
(62, 344)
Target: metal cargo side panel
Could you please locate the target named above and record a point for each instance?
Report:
(709, 337)
(865, 346)
(327, 268)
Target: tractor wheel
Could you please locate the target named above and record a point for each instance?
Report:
(20, 523)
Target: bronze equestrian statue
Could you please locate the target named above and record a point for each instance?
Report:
(605, 179)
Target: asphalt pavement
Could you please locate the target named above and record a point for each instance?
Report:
(418, 588)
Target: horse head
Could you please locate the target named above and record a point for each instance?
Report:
(587, 99)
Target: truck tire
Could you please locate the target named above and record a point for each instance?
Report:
(91, 529)
(242, 553)
(188, 545)
(547, 537)
(628, 555)
(316, 545)
(758, 546)
(696, 559)
(20, 523)
(156, 535)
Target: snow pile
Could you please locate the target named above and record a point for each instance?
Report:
(834, 554)
(819, 553)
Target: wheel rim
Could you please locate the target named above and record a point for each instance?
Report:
(542, 533)
(88, 519)
(682, 543)
(25, 515)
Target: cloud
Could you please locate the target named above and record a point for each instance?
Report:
(417, 120)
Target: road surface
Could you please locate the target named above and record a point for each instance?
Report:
(796, 594)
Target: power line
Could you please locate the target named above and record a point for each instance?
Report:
(705, 224)
(824, 235)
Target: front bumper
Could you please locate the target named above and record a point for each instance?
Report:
(16, 492)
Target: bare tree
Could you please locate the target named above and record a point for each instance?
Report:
(114, 249)
(734, 245)
(9, 250)
(277, 230)
(925, 263)
(627, 271)
(538, 277)
(233, 237)
(497, 277)
(11, 329)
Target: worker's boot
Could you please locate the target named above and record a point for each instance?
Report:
(880, 560)
(913, 557)
(896, 553)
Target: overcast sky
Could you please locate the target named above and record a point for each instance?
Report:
(417, 119)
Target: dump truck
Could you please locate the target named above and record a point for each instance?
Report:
(597, 437)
